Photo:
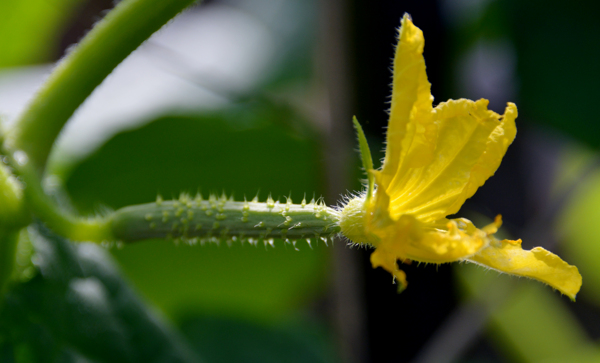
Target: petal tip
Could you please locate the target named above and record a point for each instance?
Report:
(538, 264)
(511, 111)
(410, 34)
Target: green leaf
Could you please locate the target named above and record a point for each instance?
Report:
(228, 340)
(78, 305)
(577, 226)
(527, 319)
(244, 149)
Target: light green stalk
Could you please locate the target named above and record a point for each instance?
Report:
(80, 72)
(30, 141)
(8, 249)
(12, 218)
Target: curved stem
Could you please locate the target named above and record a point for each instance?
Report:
(103, 48)
(8, 244)
(68, 225)
(30, 141)
(13, 217)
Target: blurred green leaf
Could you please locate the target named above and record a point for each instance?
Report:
(527, 319)
(249, 147)
(228, 340)
(30, 29)
(77, 307)
(578, 225)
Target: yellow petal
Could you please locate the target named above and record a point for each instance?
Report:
(538, 263)
(406, 237)
(450, 244)
(497, 144)
(471, 143)
(410, 95)
(379, 258)
(423, 142)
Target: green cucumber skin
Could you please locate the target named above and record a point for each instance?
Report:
(223, 219)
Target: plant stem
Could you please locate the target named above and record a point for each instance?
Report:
(13, 217)
(103, 48)
(68, 225)
(8, 244)
(29, 142)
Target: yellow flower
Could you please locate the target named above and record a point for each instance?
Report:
(436, 158)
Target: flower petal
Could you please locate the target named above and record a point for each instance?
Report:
(388, 262)
(407, 237)
(411, 94)
(447, 245)
(538, 263)
(498, 142)
(472, 141)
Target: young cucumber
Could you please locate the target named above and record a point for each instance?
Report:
(222, 219)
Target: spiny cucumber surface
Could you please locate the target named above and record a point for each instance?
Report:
(222, 219)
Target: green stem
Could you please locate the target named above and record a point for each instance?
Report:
(8, 245)
(13, 217)
(68, 225)
(30, 141)
(103, 48)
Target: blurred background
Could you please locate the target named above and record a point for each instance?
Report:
(247, 96)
